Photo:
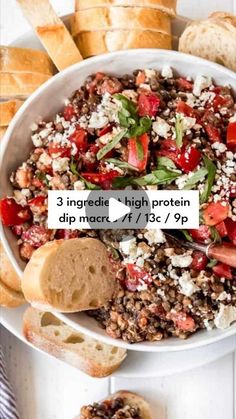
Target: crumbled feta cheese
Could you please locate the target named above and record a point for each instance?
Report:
(221, 147)
(181, 261)
(232, 118)
(201, 82)
(142, 287)
(181, 181)
(37, 141)
(188, 123)
(223, 296)
(208, 325)
(161, 127)
(225, 316)
(167, 72)
(98, 120)
(130, 94)
(34, 127)
(79, 185)
(128, 246)
(61, 164)
(45, 159)
(149, 73)
(45, 132)
(187, 285)
(155, 236)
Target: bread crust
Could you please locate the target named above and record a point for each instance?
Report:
(100, 42)
(52, 32)
(120, 18)
(14, 59)
(135, 400)
(167, 6)
(7, 110)
(10, 298)
(20, 85)
(7, 273)
(51, 339)
(2, 132)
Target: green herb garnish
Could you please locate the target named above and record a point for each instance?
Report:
(179, 131)
(165, 162)
(215, 235)
(211, 170)
(161, 176)
(43, 177)
(73, 167)
(187, 235)
(122, 164)
(195, 178)
(103, 151)
(89, 185)
(144, 124)
(212, 263)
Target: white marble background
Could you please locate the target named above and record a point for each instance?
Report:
(48, 389)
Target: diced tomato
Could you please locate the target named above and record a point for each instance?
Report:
(67, 234)
(59, 150)
(168, 149)
(140, 79)
(231, 229)
(136, 276)
(183, 321)
(201, 234)
(26, 251)
(183, 107)
(231, 136)
(148, 104)
(68, 112)
(219, 102)
(188, 159)
(223, 271)
(80, 139)
(184, 84)
(221, 228)
(214, 134)
(37, 201)
(36, 236)
(110, 85)
(12, 213)
(215, 213)
(105, 130)
(102, 179)
(37, 183)
(133, 157)
(199, 261)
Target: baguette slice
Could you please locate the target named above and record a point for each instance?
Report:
(8, 110)
(130, 399)
(52, 32)
(20, 84)
(120, 18)
(25, 60)
(94, 43)
(167, 6)
(48, 333)
(213, 39)
(2, 132)
(10, 298)
(8, 274)
(69, 276)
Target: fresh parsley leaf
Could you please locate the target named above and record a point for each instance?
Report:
(187, 235)
(215, 235)
(139, 129)
(122, 164)
(212, 263)
(126, 103)
(195, 178)
(211, 170)
(103, 151)
(179, 131)
(165, 162)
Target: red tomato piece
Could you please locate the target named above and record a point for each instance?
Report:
(184, 84)
(183, 321)
(219, 102)
(148, 104)
(183, 107)
(59, 150)
(169, 149)
(199, 261)
(231, 136)
(36, 236)
(68, 112)
(37, 201)
(67, 234)
(231, 229)
(188, 159)
(136, 276)
(223, 271)
(201, 234)
(80, 139)
(221, 228)
(110, 85)
(105, 130)
(213, 133)
(12, 213)
(215, 213)
(141, 78)
(102, 179)
(133, 157)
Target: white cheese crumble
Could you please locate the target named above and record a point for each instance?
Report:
(98, 120)
(188, 123)
(128, 246)
(161, 127)
(45, 159)
(181, 261)
(232, 118)
(167, 72)
(79, 185)
(61, 164)
(155, 236)
(187, 285)
(201, 82)
(221, 147)
(225, 316)
(37, 141)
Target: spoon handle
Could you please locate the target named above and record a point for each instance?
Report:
(223, 253)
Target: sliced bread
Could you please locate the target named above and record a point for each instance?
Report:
(23, 59)
(2, 132)
(8, 110)
(8, 274)
(20, 84)
(103, 18)
(48, 333)
(69, 276)
(94, 43)
(10, 298)
(167, 6)
(213, 39)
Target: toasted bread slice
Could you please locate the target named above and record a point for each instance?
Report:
(69, 276)
(8, 110)
(102, 18)
(2, 131)
(48, 333)
(94, 43)
(130, 399)
(10, 298)
(52, 32)
(20, 85)
(213, 39)
(8, 274)
(167, 6)
(25, 60)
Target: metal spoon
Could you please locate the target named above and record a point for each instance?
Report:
(225, 253)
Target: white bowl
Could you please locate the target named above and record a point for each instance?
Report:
(48, 100)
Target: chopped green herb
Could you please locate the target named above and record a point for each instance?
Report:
(160, 176)
(144, 124)
(73, 167)
(195, 178)
(122, 164)
(179, 131)
(165, 162)
(187, 235)
(211, 170)
(103, 151)
(140, 152)
(115, 254)
(215, 235)
(212, 263)
(127, 104)
(42, 176)
(89, 185)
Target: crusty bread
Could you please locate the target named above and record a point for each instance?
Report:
(20, 84)
(102, 18)
(52, 32)
(213, 39)
(10, 298)
(134, 400)
(23, 59)
(94, 43)
(8, 110)
(167, 6)
(48, 333)
(8, 274)
(2, 131)
(69, 276)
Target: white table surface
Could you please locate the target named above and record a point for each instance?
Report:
(48, 389)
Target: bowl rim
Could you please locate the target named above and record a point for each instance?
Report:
(168, 54)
